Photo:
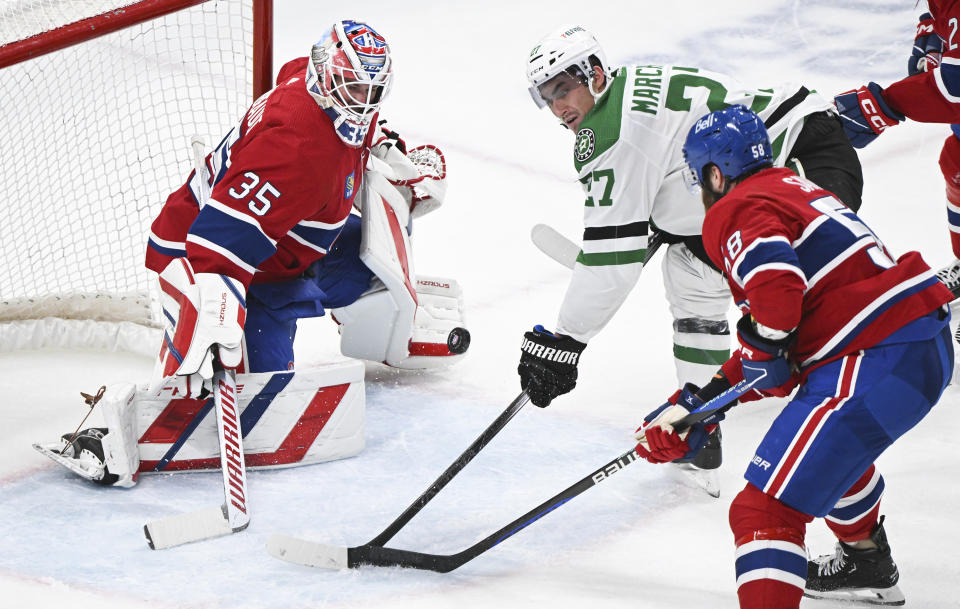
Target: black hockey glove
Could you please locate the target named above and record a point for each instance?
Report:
(548, 365)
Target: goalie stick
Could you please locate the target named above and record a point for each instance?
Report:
(233, 515)
(312, 554)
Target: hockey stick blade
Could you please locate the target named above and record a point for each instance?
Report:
(185, 528)
(552, 243)
(312, 554)
(309, 553)
(232, 516)
(549, 241)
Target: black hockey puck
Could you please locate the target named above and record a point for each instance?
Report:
(458, 341)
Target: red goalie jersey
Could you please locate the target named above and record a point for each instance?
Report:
(795, 257)
(283, 184)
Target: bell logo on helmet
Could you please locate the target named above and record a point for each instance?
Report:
(586, 141)
(704, 123)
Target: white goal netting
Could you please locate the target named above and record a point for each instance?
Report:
(95, 136)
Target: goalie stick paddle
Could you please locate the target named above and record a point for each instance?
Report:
(233, 515)
(304, 552)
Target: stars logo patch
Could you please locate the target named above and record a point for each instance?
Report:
(586, 140)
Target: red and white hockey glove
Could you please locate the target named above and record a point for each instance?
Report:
(927, 48)
(865, 114)
(203, 310)
(659, 443)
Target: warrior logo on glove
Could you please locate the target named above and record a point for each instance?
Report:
(548, 365)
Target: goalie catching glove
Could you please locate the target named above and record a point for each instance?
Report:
(206, 310)
(419, 173)
(548, 365)
(659, 443)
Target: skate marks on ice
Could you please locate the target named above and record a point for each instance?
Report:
(66, 529)
(833, 38)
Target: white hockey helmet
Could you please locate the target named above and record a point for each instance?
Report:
(566, 49)
(350, 71)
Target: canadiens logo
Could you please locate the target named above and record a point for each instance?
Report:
(586, 141)
(370, 46)
(348, 187)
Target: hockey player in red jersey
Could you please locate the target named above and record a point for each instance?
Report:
(929, 94)
(262, 235)
(862, 338)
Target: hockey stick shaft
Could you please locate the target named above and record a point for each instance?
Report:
(451, 471)
(232, 515)
(232, 463)
(335, 557)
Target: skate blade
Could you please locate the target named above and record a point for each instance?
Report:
(862, 596)
(51, 451)
(706, 479)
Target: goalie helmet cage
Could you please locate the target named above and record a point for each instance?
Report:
(101, 99)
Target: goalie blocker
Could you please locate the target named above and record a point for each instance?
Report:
(287, 419)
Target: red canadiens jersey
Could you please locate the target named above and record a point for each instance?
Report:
(795, 257)
(934, 97)
(283, 184)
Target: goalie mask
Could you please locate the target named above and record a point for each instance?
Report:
(568, 50)
(350, 72)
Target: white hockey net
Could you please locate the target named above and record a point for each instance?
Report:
(95, 136)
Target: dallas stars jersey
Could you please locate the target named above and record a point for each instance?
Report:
(628, 154)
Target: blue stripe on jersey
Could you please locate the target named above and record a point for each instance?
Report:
(167, 251)
(320, 239)
(953, 217)
(243, 239)
(763, 253)
(772, 558)
(860, 507)
(258, 405)
(823, 246)
(869, 319)
(950, 74)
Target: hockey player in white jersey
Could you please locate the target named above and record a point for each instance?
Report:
(629, 124)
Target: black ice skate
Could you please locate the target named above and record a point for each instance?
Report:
(701, 470)
(950, 276)
(82, 453)
(864, 576)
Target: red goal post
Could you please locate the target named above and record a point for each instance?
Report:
(101, 100)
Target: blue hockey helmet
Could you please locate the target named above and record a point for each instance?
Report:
(734, 139)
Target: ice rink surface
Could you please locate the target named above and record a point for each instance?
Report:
(644, 539)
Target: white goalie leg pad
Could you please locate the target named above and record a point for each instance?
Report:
(289, 418)
(120, 444)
